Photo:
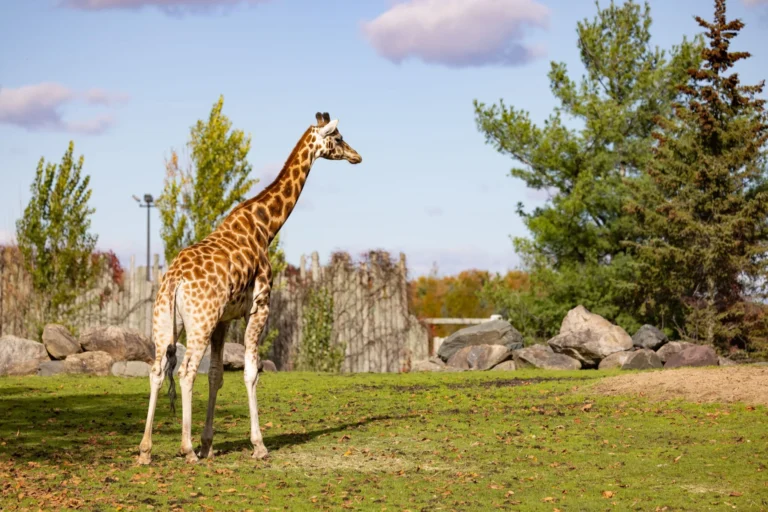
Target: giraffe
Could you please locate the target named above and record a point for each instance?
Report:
(227, 276)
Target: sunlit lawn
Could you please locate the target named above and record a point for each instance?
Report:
(529, 440)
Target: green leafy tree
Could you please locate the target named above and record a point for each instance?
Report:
(54, 236)
(705, 217)
(576, 253)
(196, 199)
(317, 351)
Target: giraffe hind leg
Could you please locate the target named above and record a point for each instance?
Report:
(163, 335)
(215, 381)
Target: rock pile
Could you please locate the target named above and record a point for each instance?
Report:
(586, 340)
(107, 350)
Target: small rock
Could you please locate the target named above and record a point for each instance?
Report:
(234, 356)
(130, 369)
(479, 357)
(615, 360)
(644, 359)
(697, 355)
(672, 347)
(59, 342)
(426, 366)
(14, 351)
(437, 360)
(493, 332)
(542, 356)
(650, 337)
(268, 366)
(506, 366)
(724, 361)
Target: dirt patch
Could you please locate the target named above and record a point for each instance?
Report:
(747, 384)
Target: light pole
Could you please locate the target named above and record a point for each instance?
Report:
(148, 203)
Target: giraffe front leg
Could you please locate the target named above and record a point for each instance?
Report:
(258, 319)
(215, 381)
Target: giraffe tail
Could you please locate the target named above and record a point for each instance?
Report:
(170, 364)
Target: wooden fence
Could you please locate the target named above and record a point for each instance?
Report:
(370, 308)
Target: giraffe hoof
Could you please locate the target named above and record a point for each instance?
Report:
(260, 452)
(205, 452)
(144, 459)
(191, 458)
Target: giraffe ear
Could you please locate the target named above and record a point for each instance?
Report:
(329, 128)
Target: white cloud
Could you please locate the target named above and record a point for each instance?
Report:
(458, 33)
(38, 107)
(173, 7)
(106, 98)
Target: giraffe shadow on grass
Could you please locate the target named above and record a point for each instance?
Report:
(279, 441)
(43, 425)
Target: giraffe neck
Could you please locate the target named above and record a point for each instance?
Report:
(273, 205)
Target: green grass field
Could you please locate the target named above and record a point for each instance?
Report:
(526, 440)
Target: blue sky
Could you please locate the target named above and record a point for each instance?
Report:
(125, 79)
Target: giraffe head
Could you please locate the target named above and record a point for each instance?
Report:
(329, 143)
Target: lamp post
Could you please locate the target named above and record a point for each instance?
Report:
(148, 203)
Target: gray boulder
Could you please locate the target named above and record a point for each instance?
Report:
(644, 359)
(59, 342)
(671, 348)
(589, 338)
(508, 365)
(479, 357)
(615, 360)
(724, 361)
(14, 351)
(88, 363)
(91, 363)
(542, 356)
(121, 343)
(493, 332)
(234, 356)
(28, 367)
(650, 337)
(50, 368)
(130, 369)
(696, 355)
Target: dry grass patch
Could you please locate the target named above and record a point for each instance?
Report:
(747, 384)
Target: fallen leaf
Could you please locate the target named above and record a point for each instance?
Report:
(678, 458)
(607, 494)
(586, 407)
(736, 494)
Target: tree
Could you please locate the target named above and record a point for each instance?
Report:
(54, 236)
(576, 252)
(703, 258)
(457, 296)
(196, 199)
